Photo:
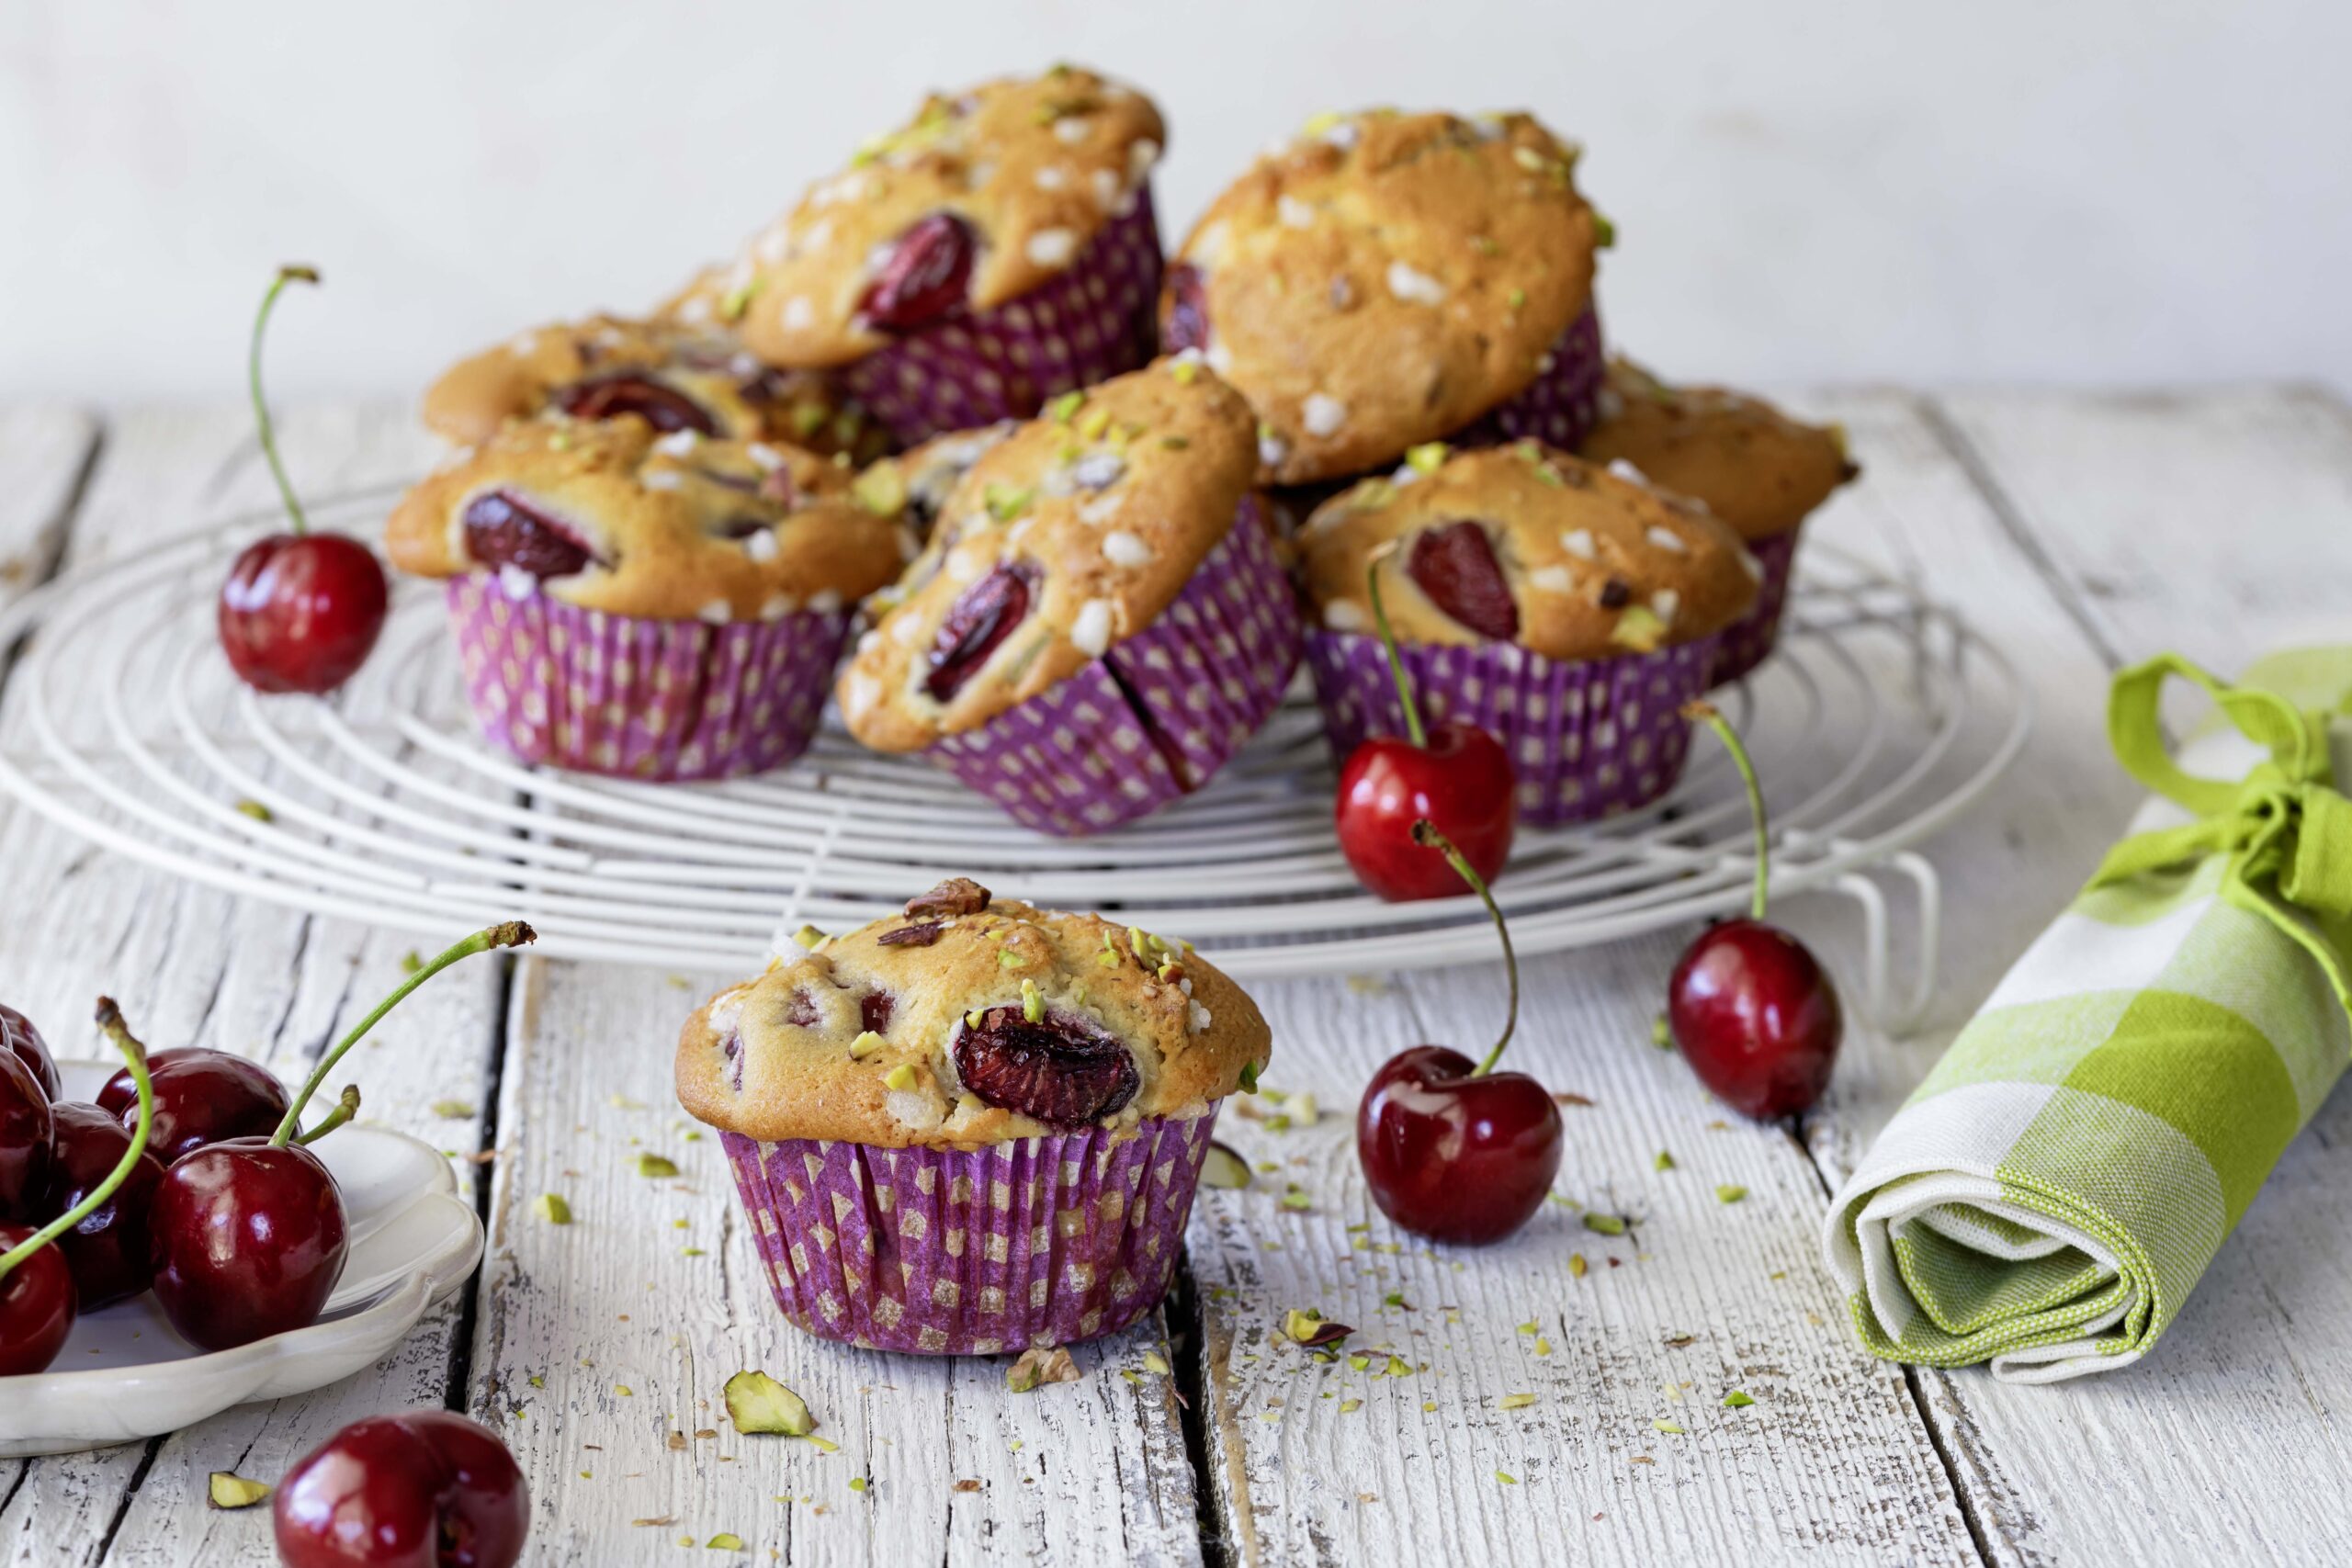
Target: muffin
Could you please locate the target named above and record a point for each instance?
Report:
(997, 249)
(1387, 279)
(973, 1128)
(1099, 620)
(671, 374)
(1570, 609)
(1759, 470)
(653, 606)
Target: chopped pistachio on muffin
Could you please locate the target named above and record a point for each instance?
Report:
(982, 195)
(1528, 546)
(609, 516)
(917, 483)
(968, 1021)
(673, 376)
(1067, 537)
(1383, 279)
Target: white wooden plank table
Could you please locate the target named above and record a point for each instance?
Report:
(2076, 531)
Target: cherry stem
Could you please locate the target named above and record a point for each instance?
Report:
(344, 1110)
(109, 1020)
(1388, 643)
(1425, 833)
(513, 933)
(1700, 709)
(286, 274)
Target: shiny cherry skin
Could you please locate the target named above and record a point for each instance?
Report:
(427, 1489)
(248, 1240)
(1756, 1016)
(26, 1126)
(301, 612)
(109, 1250)
(36, 1306)
(24, 1042)
(1462, 781)
(927, 275)
(202, 1097)
(1455, 1157)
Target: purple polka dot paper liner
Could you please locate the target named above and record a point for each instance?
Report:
(1749, 640)
(1587, 739)
(1561, 405)
(637, 697)
(1151, 720)
(1035, 1242)
(1091, 321)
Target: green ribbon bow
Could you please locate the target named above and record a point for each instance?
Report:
(2286, 828)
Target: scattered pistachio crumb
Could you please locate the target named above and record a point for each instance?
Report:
(254, 809)
(1661, 1035)
(1663, 1424)
(656, 1167)
(1543, 1346)
(411, 962)
(1515, 1401)
(1607, 1224)
(1033, 1002)
(623, 1390)
(1730, 1193)
(550, 1207)
(1738, 1399)
(865, 1044)
(232, 1491)
(809, 937)
(1155, 1363)
(1577, 1265)
(1506, 1477)
(857, 1483)
(1349, 1406)
(725, 1541)
(1665, 1161)
(452, 1110)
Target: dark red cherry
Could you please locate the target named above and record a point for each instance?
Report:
(249, 1239)
(873, 1011)
(1455, 564)
(107, 1252)
(1756, 1016)
(1184, 324)
(26, 1126)
(505, 530)
(1461, 781)
(202, 1097)
(36, 1305)
(1454, 1157)
(16, 1032)
(301, 612)
(1059, 1070)
(426, 1489)
(625, 393)
(982, 616)
(927, 274)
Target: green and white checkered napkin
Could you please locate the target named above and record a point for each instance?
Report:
(2050, 1195)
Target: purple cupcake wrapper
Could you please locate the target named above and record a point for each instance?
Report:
(639, 697)
(1587, 738)
(948, 1252)
(1749, 640)
(1091, 321)
(1561, 405)
(1153, 718)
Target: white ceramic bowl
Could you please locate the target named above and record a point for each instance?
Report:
(124, 1375)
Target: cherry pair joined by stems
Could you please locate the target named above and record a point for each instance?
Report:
(1750, 1007)
(424, 1489)
(1451, 1148)
(300, 610)
(1456, 776)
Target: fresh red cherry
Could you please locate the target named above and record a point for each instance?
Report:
(107, 1251)
(202, 1097)
(1056, 1068)
(979, 620)
(1457, 778)
(1749, 1006)
(427, 1489)
(300, 612)
(927, 274)
(1185, 323)
(17, 1034)
(1455, 564)
(503, 530)
(1451, 1148)
(26, 1127)
(624, 392)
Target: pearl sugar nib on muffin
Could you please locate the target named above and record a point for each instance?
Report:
(968, 1021)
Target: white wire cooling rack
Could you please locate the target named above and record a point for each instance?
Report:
(1883, 717)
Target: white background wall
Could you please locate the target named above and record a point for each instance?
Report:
(2073, 190)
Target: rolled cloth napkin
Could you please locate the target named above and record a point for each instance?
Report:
(2048, 1198)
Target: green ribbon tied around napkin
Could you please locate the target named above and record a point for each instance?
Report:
(2049, 1196)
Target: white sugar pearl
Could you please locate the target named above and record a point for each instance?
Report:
(761, 546)
(1668, 540)
(1052, 247)
(1551, 579)
(1663, 603)
(679, 444)
(718, 612)
(1295, 212)
(1344, 615)
(765, 455)
(1090, 631)
(1122, 548)
(1578, 543)
(1418, 288)
(1323, 414)
(1053, 176)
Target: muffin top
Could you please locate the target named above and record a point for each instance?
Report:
(919, 480)
(968, 1021)
(1525, 545)
(978, 199)
(1383, 279)
(609, 516)
(1754, 466)
(673, 375)
(1067, 537)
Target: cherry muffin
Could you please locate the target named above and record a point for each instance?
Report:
(654, 606)
(996, 250)
(973, 1128)
(1387, 279)
(673, 375)
(1099, 620)
(1759, 470)
(1570, 609)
